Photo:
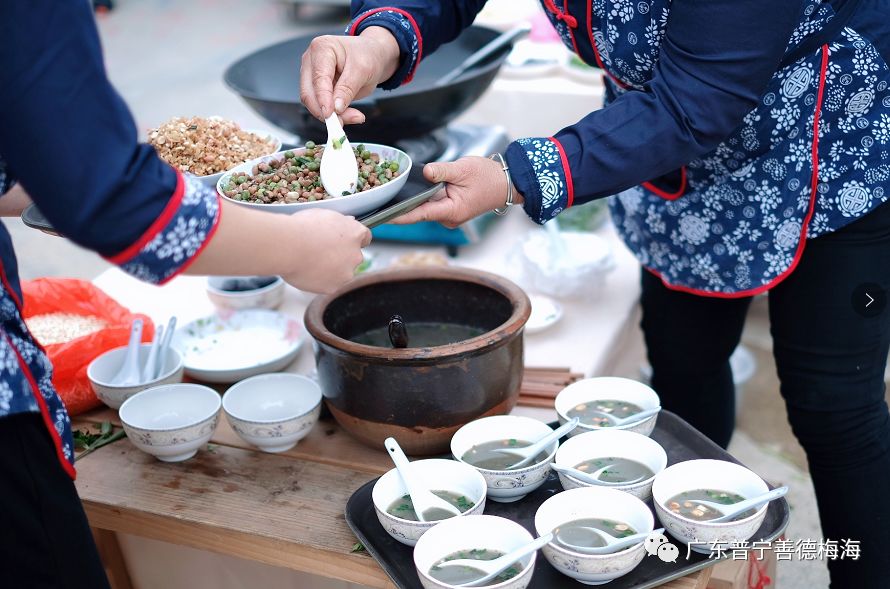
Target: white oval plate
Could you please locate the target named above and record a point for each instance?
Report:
(228, 347)
(545, 313)
(353, 204)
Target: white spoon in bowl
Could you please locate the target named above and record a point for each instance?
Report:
(130, 373)
(619, 421)
(735, 509)
(593, 478)
(612, 544)
(339, 170)
(493, 568)
(528, 453)
(423, 499)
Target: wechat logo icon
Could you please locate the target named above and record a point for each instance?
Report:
(657, 544)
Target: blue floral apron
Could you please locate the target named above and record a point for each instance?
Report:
(812, 157)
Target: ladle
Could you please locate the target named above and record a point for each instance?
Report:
(619, 421)
(736, 509)
(339, 170)
(528, 453)
(612, 544)
(398, 332)
(493, 568)
(593, 478)
(422, 498)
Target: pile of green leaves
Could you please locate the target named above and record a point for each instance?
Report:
(90, 441)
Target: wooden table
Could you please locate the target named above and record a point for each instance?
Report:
(285, 510)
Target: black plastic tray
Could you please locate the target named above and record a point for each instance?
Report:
(681, 442)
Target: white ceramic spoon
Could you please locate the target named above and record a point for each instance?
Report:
(493, 568)
(165, 345)
(421, 497)
(150, 368)
(528, 453)
(129, 373)
(339, 170)
(736, 509)
(593, 478)
(619, 421)
(613, 544)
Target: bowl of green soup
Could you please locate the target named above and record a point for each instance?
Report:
(569, 515)
(482, 444)
(623, 460)
(594, 400)
(475, 537)
(678, 488)
(457, 483)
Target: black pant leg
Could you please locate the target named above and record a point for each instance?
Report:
(831, 363)
(689, 340)
(45, 539)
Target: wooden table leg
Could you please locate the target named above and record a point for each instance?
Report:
(112, 559)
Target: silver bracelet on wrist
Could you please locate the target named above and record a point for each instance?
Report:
(509, 202)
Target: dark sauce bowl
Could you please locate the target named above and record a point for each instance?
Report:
(420, 396)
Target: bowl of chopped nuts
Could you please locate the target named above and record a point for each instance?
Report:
(289, 181)
(208, 147)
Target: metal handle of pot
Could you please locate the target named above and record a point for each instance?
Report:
(488, 49)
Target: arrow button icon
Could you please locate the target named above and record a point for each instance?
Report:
(869, 299)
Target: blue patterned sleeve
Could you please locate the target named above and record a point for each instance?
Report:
(540, 172)
(419, 26)
(176, 237)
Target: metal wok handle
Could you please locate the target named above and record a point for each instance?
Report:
(489, 48)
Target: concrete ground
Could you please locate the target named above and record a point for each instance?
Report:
(167, 59)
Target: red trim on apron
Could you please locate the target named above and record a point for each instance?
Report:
(41, 402)
(156, 227)
(570, 185)
(596, 53)
(44, 411)
(669, 195)
(814, 182)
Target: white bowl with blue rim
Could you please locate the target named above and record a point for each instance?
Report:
(273, 411)
(171, 422)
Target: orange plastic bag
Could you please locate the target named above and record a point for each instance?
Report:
(70, 359)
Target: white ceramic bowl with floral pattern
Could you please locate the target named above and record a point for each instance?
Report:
(473, 532)
(105, 367)
(273, 411)
(439, 475)
(608, 388)
(718, 475)
(595, 503)
(506, 486)
(605, 443)
(171, 422)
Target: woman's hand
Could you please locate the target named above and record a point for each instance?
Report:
(316, 250)
(337, 69)
(473, 186)
(331, 249)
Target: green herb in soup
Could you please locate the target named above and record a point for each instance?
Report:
(484, 455)
(590, 413)
(574, 533)
(421, 335)
(618, 470)
(686, 504)
(457, 575)
(404, 508)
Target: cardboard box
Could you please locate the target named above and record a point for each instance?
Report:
(745, 574)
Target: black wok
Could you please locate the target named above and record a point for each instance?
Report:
(269, 80)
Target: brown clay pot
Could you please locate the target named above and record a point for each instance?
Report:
(420, 396)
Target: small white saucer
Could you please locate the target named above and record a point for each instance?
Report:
(546, 312)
